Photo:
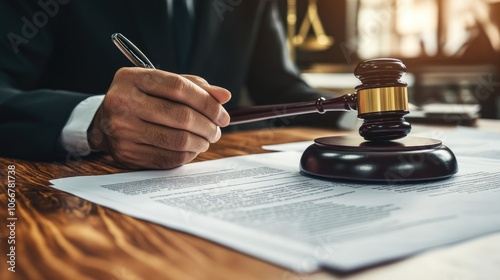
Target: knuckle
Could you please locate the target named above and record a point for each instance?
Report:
(181, 141)
(196, 79)
(151, 79)
(118, 127)
(178, 85)
(211, 108)
(159, 139)
(109, 125)
(161, 107)
(120, 154)
(126, 157)
(185, 117)
(123, 73)
(115, 100)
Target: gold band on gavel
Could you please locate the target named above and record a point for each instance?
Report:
(382, 99)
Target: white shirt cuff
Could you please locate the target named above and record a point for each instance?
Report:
(74, 134)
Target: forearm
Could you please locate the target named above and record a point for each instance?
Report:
(31, 121)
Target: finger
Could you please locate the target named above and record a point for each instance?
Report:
(145, 132)
(172, 139)
(176, 88)
(139, 156)
(196, 79)
(221, 94)
(181, 117)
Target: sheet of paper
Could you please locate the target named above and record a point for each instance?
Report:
(261, 205)
(466, 141)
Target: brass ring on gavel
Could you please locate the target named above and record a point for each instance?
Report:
(382, 99)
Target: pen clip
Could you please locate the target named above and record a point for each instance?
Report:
(131, 51)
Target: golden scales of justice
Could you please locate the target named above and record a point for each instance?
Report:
(302, 40)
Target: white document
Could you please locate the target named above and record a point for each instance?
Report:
(466, 141)
(261, 205)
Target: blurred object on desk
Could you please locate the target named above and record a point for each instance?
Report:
(459, 84)
(440, 113)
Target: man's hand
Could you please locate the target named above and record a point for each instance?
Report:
(156, 119)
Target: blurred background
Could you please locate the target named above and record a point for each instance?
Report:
(451, 49)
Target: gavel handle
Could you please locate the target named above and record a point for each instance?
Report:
(346, 102)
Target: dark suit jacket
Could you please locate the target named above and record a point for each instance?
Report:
(55, 55)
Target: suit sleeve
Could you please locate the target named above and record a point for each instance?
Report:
(273, 78)
(31, 117)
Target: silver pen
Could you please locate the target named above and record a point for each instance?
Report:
(131, 51)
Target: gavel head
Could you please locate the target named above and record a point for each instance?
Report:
(382, 99)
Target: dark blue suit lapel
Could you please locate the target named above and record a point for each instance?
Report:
(153, 31)
(155, 34)
(207, 29)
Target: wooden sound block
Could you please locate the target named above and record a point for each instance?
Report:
(410, 159)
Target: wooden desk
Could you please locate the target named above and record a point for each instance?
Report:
(60, 236)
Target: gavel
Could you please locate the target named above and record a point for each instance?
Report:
(383, 152)
(381, 101)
